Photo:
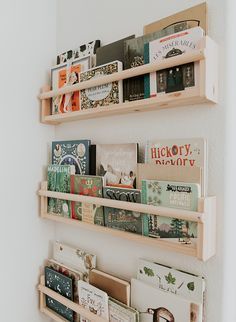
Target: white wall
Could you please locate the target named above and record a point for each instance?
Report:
(28, 31)
(110, 20)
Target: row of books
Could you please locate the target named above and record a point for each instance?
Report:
(157, 293)
(78, 65)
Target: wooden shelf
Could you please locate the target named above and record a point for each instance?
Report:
(205, 218)
(43, 290)
(206, 92)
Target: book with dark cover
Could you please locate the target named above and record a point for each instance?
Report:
(72, 153)
(64, 286)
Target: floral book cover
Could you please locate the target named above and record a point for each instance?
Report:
(59, 181)
(62, 285)
(130, 221)
(101, 95)
(87, 186)
(74, 152)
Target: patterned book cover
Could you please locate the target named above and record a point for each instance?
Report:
(130, 221)
(118, 164)
(59, 181)
(93, 299)
(62, 285)
(119, 312)
(72, 153)
(102, 95)
(180, 152)
(176, 78)
(87, 186)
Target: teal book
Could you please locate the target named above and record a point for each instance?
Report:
(130, 221)
(59, 181)
(173, 195)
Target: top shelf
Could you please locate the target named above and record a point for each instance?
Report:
(206, 92)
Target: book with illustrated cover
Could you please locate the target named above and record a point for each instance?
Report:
(87, 186)
(93, 299)
(74, 152)
(121, 219)
(189, 152)
(119, 312)
(118, 164)
(101, 95)
(62, 285)
(58, 177)
(176, 78)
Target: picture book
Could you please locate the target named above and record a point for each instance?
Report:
(93, 299)
(189, 152)
(176, 78)
(115, 287)
(62, 285)
(58, 177)
(118, 164)
(74, 152)
(121, 219)
(157, 305)
(119, 312)
(74, 258)
(171, 280)
(87, 186)
(101, 95)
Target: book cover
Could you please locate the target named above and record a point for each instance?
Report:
(62, 285)
(58, 177)
(171, 280)
(93, 299)
(74, 258)
(101, 95)
(72, 153)
(87, 186)
(115, 287)
(179, 77)
(190, 152)
(121, 219)
(118, 312)
(118, 164)
(157, 305)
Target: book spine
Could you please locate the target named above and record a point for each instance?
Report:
(144, 192)
(72, 203)
(147, 76)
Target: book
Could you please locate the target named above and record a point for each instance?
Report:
(93, 299)
(115, 287)
(63, 285)
(87, 186)
(121, 219)
(74, 258)
(58, 177)
(175, 78)
(118, 164)
(101, 95)
(119, 312)
(182, 153)
(74, 152)
(157, 305)
(81, 51)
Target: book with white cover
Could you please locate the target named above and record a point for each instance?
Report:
(119, 312)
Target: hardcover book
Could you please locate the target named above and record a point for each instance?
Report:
(72, 153)
(118, 164)
(87, 186)
(62, 285)
(176, 78)
(121, 219)
(118, 312)
(182, 153)
(93, 299)
(59, 181)
(101, 95)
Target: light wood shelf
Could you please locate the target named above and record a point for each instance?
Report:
(206, 92)
(205, 218)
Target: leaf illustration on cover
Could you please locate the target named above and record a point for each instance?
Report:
(191, 286)
(148, 271)
(170, 279)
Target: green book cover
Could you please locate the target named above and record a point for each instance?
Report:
(59, 181)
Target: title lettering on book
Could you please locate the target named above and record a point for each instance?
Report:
(178, 188)
(130, 196)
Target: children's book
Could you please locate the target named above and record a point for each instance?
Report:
(119, 312)
(74, 152)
